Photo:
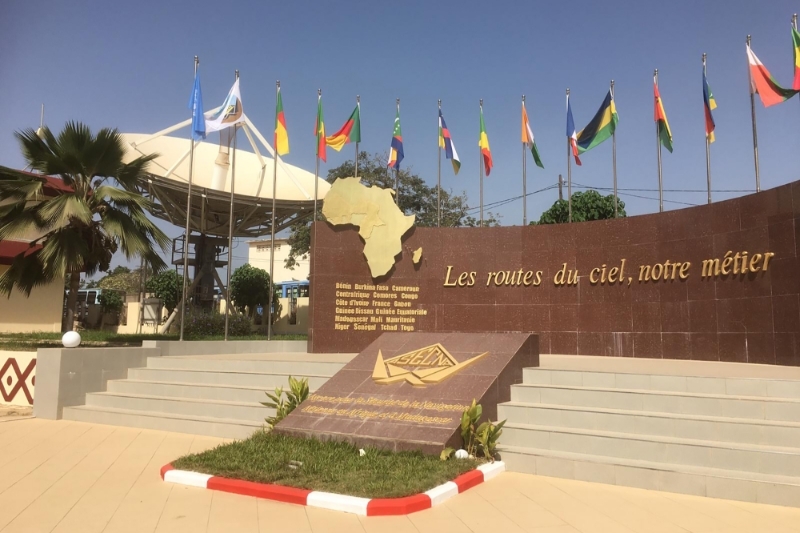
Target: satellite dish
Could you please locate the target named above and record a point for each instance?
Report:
(168, 182)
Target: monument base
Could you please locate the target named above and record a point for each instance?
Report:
(406, 391)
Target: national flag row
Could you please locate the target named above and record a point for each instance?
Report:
(600, 127)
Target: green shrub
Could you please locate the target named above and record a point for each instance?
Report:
(479, 440)
(283, 405)
(199, 324)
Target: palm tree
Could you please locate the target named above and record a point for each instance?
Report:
(81, 228)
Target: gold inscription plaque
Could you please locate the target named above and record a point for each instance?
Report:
(421, 367)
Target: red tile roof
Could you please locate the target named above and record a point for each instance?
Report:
(11, 249)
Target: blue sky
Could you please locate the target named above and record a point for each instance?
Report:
(129, 65)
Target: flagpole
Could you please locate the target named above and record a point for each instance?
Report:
(188, 210)
(228, 299)
(316, 165)
(708, 144)
(755, 129)
(480, 167)
(524, 179)
(358, 105)
(569, 172)
(396, 169)
(658, 150)
(272, 227)
(614, 160)
(439, 174)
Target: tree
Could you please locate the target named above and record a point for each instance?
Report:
(415, 198)
(83, 227)
(249, 289)
(166, 286)
(110, 302)
(589, 205)
(122, 279)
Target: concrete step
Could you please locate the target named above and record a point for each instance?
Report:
(262, 380)
(775, 388)
(295, 367)
(747, 407)
(228, 393)
(195, 425)
(657, 449)
(764, 432)
(685, 479)
(251, 411)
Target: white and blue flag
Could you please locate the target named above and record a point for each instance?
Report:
(196, 105)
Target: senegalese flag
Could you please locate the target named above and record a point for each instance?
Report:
(527, 137)
(350, 132)
(796, 42)
(281, 135)
(660, 116)
(396, 149)
(601, 127)
(446, 142)
(709, 104)
(762, 82)
(483, 142)
(319, 131)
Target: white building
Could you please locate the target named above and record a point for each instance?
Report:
(258, 256)
(294, 282)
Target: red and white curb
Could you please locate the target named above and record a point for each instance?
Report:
(338, 502)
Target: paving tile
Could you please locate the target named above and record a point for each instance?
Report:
(233, 512)
(186, 511)
(43, 514)
(142, 506)
(326, 521)
(282, 517)
(18, 496)
(94, 510)
(387, 524)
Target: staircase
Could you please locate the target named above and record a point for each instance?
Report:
(216, 396)
(709, 432)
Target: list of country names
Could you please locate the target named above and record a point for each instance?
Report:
(365, 307)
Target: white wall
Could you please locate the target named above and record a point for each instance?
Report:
(258, 256)
(39, 312)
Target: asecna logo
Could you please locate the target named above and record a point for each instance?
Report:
(425, 366)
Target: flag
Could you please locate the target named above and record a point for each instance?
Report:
(762, 82)
(483, 142)
(230, 112)
(196, 105)
(281, 135)
(527, 137)
(446, 142)
(319, 131)
(571, 135)
(601, 127)
(660, 116)
(796, 42)
(396, 149)
(709, 104)
(350, 132)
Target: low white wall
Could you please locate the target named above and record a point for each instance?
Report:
(17, 377)
(41, 311)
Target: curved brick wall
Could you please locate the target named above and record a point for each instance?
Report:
(748, 317)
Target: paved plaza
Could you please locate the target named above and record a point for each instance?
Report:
(64, 476)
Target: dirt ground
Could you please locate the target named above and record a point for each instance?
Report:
(14, 411)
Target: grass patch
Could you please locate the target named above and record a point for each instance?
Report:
(327, 466)
(30, 342)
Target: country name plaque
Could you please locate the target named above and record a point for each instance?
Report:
(406, 391)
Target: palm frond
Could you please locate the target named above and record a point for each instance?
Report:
(19, 222)
(64, 251)
(25, 273)
(62, 209)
